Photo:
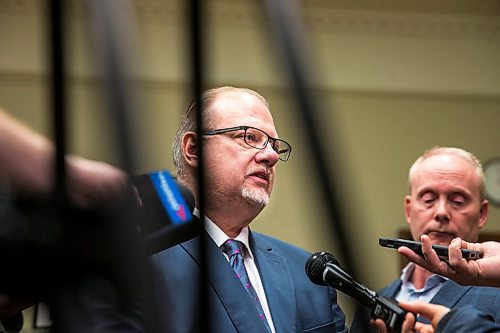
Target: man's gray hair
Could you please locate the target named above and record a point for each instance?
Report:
(462, 153)
(188, 120)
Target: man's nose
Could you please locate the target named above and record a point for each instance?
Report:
(268, 155)
(442, 213)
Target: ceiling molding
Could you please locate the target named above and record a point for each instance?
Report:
(404, 23)
(31, 80)
(455, 19)
(20, 6)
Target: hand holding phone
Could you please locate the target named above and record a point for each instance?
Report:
(442, 251)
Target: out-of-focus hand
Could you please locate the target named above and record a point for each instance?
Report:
(10, 306)
(484, 271)
(380, 325)
(409, 325)
(93, 183)
(433, 312)
(27, 168)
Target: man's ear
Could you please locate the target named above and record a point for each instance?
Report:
(189, 146)
(407, 207)
(483, 213)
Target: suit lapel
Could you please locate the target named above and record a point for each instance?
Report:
(278, 285)
(449, 294)
(392, 289)
(227, 287)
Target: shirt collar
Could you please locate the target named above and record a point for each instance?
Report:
(408, 270)
(220, 237)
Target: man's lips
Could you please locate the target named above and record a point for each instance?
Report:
(262, 176)
(439, 233)
(437, 236)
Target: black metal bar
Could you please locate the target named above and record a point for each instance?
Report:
(289, 35)
(58, 91)
(110, 25)
(196, 38)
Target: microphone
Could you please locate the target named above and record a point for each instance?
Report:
(323, 269)
(164, 217)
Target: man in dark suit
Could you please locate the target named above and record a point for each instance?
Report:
(446, 201)
(242, 151)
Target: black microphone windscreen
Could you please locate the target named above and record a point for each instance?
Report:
(165, 211)
(316, 264)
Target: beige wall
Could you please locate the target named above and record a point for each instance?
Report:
(393, 79)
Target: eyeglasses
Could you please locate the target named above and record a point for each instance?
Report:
(258, 139)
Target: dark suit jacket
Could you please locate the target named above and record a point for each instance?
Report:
(296, 304)
(451, 295)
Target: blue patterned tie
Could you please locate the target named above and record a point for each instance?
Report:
(235, 251)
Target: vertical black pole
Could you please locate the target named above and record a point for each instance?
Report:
(196, 39)
(289, 35)
(58, 95)
(58, 92)
(109, 26)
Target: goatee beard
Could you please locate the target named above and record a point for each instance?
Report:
(257, 196)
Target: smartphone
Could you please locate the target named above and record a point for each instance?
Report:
(442, 251)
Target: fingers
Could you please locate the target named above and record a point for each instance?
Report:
(411, 256)
(92, 183)
(380, 325)
(429, 260)
(455, 253)
(424, 328)
(430, 255)
(408, 324)
(433, 312)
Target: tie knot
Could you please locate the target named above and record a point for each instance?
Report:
(233, 247)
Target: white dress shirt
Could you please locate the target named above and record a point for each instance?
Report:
(408, 292)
